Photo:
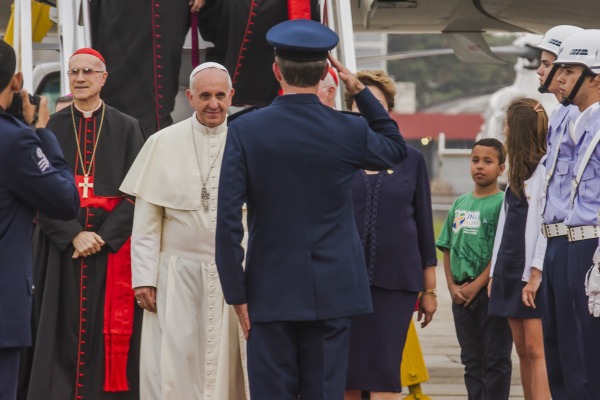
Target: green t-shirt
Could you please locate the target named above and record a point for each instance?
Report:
(469, 233)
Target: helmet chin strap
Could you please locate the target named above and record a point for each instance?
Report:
(567, 101)
(544, 86)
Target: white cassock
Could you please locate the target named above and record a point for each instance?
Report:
(192, 348)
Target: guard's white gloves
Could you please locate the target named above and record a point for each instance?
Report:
(592, 285)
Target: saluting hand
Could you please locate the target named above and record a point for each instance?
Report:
(352, 84)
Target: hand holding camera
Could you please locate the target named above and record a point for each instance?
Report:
(32, 110)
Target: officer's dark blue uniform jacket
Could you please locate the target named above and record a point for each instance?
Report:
(293, 163)
(33, 175)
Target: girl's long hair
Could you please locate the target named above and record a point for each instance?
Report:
(527, 125)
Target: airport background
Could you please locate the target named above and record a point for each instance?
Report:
(441, 107)
(441, 102)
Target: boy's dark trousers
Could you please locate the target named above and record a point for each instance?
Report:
(486, 346)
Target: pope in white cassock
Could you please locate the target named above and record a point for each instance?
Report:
(191, 345)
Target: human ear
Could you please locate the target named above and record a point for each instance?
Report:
(189, 96)
(17, 82)
(331, 92)
(104, 76)
(277, 72)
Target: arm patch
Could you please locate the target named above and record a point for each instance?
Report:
(41, 161)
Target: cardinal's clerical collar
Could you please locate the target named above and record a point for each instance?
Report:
(89, 114)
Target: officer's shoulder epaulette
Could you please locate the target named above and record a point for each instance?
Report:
(246, 110)
(356, 114)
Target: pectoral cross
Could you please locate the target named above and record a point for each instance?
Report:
(87, 185)
(204, 196)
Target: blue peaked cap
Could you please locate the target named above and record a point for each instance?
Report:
(302, 40)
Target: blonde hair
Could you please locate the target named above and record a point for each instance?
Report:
(379, 79)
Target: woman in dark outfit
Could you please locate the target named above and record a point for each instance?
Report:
(394, 221)
(519, 246)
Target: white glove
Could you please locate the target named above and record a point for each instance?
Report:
(596, 258)
(592, 286)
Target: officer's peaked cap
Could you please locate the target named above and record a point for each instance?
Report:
(302, 40)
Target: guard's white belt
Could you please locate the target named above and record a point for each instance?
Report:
(583, 232)
(186, 242)
(554, 230)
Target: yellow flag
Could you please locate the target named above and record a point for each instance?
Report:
(40, 22)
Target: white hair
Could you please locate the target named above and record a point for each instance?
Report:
(207, 65)
(329, 81)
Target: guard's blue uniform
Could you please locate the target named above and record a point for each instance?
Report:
(293, 163)
(33, 176)
(586, 205)
(566, 374)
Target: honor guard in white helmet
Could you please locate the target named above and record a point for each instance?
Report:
(551, 42)
(566, 375)
(579, 61)
(579, 53)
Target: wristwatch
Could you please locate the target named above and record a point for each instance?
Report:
(432, 292)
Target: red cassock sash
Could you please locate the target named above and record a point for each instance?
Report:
(299, 9)
(118, 300)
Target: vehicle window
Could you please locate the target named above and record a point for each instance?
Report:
(50, 87)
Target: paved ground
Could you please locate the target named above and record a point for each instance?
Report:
(442, 353)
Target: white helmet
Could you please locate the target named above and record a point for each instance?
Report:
(551, 43)
(581, 48)
(554, 37)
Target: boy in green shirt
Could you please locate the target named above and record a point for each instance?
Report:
(467, 240)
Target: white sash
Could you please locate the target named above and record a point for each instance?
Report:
(550, 172)
(572, 131)
(584, 161)
(186, 242)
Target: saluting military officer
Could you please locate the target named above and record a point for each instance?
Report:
(293, 163)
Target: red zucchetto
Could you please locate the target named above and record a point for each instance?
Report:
(90, 51)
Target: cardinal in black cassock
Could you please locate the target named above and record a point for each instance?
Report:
(86, 323)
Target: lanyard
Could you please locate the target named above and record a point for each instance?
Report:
(554, 160)
(584, 161)
(550, 171)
